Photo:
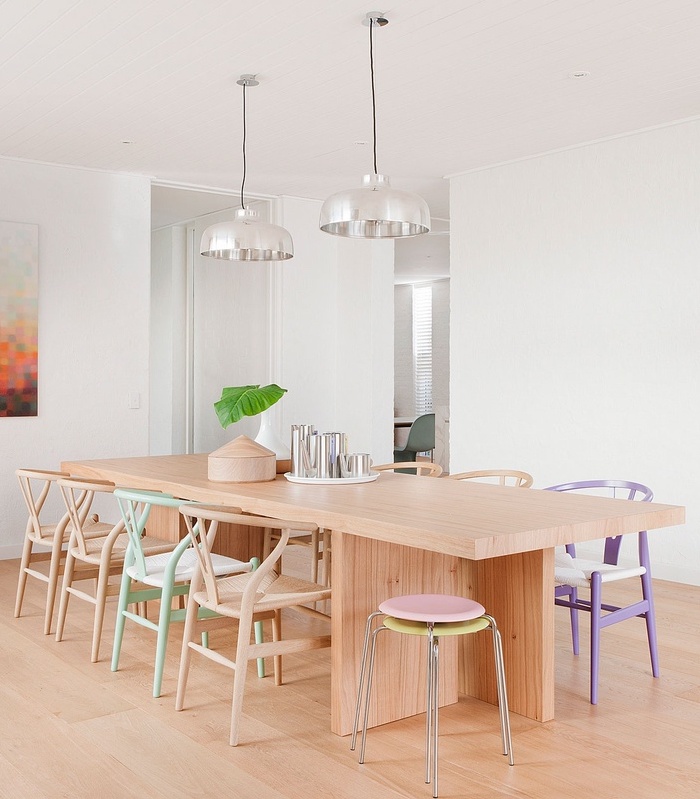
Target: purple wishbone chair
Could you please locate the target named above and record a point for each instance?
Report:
(572, 573)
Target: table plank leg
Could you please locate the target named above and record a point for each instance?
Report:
(366, 572)
(518, 591)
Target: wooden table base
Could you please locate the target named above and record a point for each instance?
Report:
(365, 572)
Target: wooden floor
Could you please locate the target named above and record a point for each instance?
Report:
(75, 729)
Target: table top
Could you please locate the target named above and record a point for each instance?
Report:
(468, 519)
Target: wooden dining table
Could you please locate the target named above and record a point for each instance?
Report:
(404, 534)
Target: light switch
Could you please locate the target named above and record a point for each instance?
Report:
(134, 399)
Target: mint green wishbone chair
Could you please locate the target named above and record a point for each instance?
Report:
(162, 577)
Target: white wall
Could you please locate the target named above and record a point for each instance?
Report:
(168, 340)
(94, 234)
(335, 332)
(441, 343)
(320, 325)
(230, 335)
(576, 322)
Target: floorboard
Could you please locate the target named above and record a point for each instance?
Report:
(75, 729)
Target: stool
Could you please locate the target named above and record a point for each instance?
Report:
(431, 615)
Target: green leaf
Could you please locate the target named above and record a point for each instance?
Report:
(239, 401)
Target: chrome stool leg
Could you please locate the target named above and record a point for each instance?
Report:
(436, 704)
(370, 670)
(432, 686)
(501, 689)
(428, 702)
(365, 645)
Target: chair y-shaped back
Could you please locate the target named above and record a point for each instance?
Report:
(506, 477)
(572, 573)
(249, 598)
(161, 576)
(421, 468)
(35, 485)
(91, 557)
(421, 438)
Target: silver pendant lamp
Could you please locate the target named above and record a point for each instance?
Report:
(246, 238)
(375, 210)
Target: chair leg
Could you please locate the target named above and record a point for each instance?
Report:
(259, 639)
(22, 581)
(244, 630)
(596, 591)
(650, 619)
(326, 557)
(123, 602)
(257, 626)
(277, 636)
(164, 615)
(363, 662)
(186, 652)
(64, 595)
(573, 612)
(54, 572)
(267, 542)
(315, 549)
(100, 605)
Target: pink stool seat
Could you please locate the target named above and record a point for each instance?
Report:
(432, 608)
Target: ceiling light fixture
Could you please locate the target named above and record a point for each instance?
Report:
(375, 210)
(246, 238)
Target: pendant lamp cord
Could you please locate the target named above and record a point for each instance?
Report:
(374, 103)
(244, 155)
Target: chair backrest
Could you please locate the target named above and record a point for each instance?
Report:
(618, 489)
(78, 495)
(135, 506)
(421, 468)
(202, 523)
(506, 477)
(35, 485)
(421, 436)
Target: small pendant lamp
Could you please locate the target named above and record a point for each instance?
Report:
(375, 210)
(246, 238)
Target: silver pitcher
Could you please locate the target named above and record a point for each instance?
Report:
(325, 449)
(300, 450)
(357, 464)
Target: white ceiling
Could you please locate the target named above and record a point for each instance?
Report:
(461, 84)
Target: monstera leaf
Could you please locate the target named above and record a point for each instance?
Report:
(239, 401)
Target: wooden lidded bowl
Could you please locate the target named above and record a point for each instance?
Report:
(242, 461)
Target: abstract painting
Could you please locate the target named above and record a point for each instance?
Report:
(19, 318)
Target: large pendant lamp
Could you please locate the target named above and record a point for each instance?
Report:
(375, 210)
(246, 238)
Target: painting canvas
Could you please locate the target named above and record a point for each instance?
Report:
(19, 318)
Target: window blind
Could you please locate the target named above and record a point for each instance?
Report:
(423, 347)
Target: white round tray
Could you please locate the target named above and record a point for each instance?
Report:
(331, 481)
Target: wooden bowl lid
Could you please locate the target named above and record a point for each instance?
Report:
(243, 447)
